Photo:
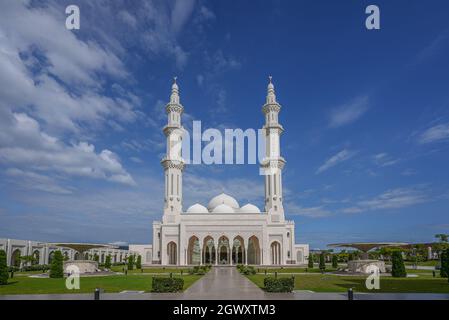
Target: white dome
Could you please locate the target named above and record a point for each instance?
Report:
(249, 208)
(223, 208)
(223, 199)
(197, 208)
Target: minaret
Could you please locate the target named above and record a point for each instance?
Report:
(273, 163)
(173, 163)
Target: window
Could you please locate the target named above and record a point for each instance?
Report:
(288, 234)
(158, 235)
(158, 254)
(288, 253)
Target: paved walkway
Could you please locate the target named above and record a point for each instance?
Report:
(226, 283)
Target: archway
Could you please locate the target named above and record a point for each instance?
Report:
(102, 258)
(66, 256)
(77, 256)
(15, 258)
(172, 253)
(275, 252)
(253, 250)
(209, 250)
(36, 256)
(86, 256)
(223, 250)
(50, 257)
(238, 249)
(193, 251)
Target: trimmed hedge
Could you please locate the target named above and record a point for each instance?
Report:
(246, 270)
(3, 268)
(200, 270)
(57, 267)
(163, 284)
(272, 284)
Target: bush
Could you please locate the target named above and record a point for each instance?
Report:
(3, 268)
(398, 267)
(57, 268)
(139, 262)
(444, 269)
(36, 267)
(279, 284)
(322, 263)
(163, 284)
(130, 262)
(310, 263)
(334, 261)
(107, 263)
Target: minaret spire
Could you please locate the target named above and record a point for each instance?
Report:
(172, 162)
(273, 162)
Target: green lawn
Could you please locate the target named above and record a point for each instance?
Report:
(430, 263)
(116, 283)
(294, 270)
(333, 283)
(152, 270)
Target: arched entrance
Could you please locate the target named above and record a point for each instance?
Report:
(15, 258)
(253, 250)
(36, 256)
(209, 250)
(77, 256)
(86, 256)
(193, 251)
(238, 250)
(50, 257)
(223, 250)
(275, 252)
(172, 252)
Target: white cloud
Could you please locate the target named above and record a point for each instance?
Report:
(23, 143)
(384, 160)
(436, 133)
(336, 159)
(310, 212)
(391, 199)
(35, 181)
(349, 112)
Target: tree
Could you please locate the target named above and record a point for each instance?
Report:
(3, 268)
(107, 263)
(334, 261)
(27, 260)
(139, 262)
(131, 262)
(310, 264)
(96, 257)
(398, 268)
(443, 237)
(57, 268)
(322, 263)
(444, 270)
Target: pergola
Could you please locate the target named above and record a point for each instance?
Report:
(81, 248)
(367, 246)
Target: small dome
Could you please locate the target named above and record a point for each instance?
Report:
(197, 208)
(249, 208)
(223, 208)
(223, 199)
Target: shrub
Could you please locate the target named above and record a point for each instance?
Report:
(322, 263)
(398, 267)
(36, 267)
(130, 262)
(3, 268)
(107, 263)
(279, 284)
(163, 284)
(334, 261)
(444, 269)
(310, 263)
(57, 268)
(139, 262)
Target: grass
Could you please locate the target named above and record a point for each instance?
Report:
(429, 263)
(116, 283)
(152, 270)
(294, 270)
(334, 283)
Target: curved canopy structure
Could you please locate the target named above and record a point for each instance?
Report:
(367, 246)
(83, 247)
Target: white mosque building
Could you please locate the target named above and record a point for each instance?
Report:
(223, 232)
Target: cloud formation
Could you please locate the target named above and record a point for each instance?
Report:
(349, 112)
(340, 157)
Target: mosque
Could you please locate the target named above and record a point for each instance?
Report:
(223, 232)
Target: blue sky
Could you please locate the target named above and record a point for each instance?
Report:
(366, 113)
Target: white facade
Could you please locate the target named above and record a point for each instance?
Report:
(223, 232)
(43, 252)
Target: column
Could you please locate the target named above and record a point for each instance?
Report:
(201, 256)
(216, 256)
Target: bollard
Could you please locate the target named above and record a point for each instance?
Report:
(433, 273)
(12, 274)
(171, 274)
(265, 271)
(97, 294)
(275, 274)
(350, 294)
(181, 272)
